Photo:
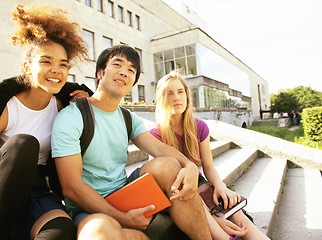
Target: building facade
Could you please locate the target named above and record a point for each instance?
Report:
(165, 38)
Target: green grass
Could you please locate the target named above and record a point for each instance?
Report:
(296, 136)
(283, 133)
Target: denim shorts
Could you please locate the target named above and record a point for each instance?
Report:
(201, 180)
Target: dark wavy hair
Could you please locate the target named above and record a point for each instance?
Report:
(123, 50)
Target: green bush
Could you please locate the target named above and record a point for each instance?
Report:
(305, 141)
(312, 123)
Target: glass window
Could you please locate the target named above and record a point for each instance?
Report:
(71, 78)
(158, 57)
(89, 39)
(88, 3)
(107, 42)
(176, 59)
(100, 5)
(192, 67)
(141, 93)
(140, 54)
(191, 49)
(90, 83)
(158, 68)
(129, 18)
(110, 8)
(179, 52)
(169, 66)
(168, 55)
(128, 97)
(137, 22)
(195, 97)
(181, 65)
(120, 13)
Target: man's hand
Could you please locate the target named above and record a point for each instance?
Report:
(186, 183)
(135, 218)
(78, 94)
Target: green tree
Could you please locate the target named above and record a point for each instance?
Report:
(283, 101)
(297, 98)
(307, 97)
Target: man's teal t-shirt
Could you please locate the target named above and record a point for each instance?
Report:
(105, 158)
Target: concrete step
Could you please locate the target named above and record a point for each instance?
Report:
(219, 147)
(231, 164)
(262, 185)
(137, 158)
(300, 210)
(135, 155)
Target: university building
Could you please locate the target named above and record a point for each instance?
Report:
(166, 38)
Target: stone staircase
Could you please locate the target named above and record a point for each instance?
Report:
(245, 169)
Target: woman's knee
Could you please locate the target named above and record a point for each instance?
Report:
(58, 228)
(21, 140)
(21, 148)
(47, 220)
(26, 143)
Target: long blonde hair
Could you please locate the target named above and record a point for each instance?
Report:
(163, 116)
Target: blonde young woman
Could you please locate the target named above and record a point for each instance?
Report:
(28, 106)
(177, 127)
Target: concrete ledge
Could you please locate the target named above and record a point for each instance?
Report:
(267, 122)
(135, 155)
(303, 156)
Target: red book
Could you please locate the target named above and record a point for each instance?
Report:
(140, 193)
(218, 210)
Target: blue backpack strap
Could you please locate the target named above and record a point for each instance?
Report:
(86, 110)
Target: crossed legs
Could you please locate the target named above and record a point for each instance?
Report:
(18, 168)
(188, 215)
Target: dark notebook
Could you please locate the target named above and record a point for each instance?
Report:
(218, 210)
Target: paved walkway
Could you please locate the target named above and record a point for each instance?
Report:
(293, 128)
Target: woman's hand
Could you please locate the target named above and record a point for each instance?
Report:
(78, 94)
(226, 194)
(230, 228)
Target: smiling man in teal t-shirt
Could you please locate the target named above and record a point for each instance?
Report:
(87, 180)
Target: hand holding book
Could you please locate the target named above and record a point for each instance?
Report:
(219, 210)
(142, 192)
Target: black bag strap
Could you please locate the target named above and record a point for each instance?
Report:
(86, 109)
(128, 121)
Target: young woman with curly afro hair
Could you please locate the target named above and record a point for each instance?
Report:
(28, 105)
